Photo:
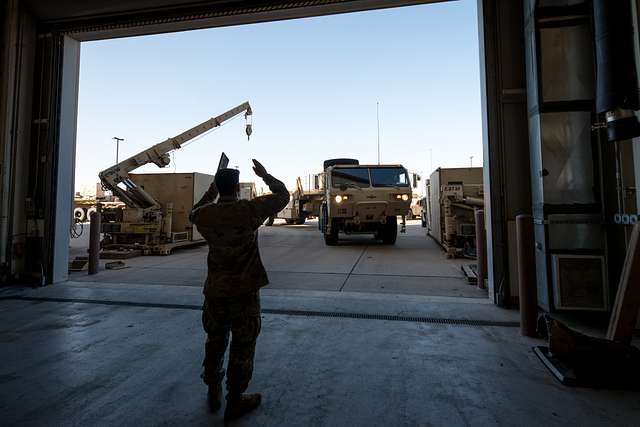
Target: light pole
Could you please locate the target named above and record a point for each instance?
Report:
(378, 121)
(430, 160)
(118, 140)
(471, 159)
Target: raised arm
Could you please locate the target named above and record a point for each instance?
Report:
(208, 197)
(271, 204)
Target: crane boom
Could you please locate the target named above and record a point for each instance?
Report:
(134, 196)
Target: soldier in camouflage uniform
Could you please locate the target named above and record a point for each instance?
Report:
(235, 276)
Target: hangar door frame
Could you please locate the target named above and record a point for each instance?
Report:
(503, 95)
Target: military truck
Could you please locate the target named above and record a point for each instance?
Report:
(302, 205)
(363, 199)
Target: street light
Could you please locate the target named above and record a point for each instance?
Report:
(118, 140)
(378, 122)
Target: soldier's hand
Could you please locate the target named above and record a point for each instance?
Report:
(259, 169)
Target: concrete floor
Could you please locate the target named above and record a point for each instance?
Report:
(112, 350)
(116, 360)
(297, 258)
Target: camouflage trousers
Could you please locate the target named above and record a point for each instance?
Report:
(239, 316)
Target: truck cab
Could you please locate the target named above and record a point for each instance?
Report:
(363, 199)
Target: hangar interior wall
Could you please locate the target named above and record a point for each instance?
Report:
(635, 181)
(16, 92)
(505, 138)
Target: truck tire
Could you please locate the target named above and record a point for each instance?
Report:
(390, 231)
(269, 221)
(289, 221)
(331, 239)
(423, 222)
(301, 220)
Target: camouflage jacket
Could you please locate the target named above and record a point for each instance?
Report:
(230, 227)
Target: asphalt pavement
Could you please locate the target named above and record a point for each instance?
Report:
(296, 258)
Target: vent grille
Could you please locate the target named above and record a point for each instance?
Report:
(181, 236)
(304, 313)
(394, 317)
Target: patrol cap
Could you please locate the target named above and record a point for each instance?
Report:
(227, 181)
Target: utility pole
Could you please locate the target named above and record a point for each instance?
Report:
(430, 160)
(118, 141)
(378, 120)
(471, 158)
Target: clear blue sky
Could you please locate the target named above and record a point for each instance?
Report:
(313, 84)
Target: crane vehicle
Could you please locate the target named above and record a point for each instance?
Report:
(146, 222)
(360, 199)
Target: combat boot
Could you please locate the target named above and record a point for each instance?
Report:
(214, 396)
(240, 405)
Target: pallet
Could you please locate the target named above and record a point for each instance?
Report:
(559, 370)
(78, 264)
(120, 254)
(470, 273)
(115, 265)
(576, 359)
(167, 248)
(160, 249)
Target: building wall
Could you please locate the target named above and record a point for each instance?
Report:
(636, 142)
(505, 135)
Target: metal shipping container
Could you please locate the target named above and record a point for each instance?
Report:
(442, 182)
(183, 190)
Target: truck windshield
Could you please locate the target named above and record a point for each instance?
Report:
(389, 177)
(350, 177)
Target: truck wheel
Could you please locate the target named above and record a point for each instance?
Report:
(424, 222)
(331, 239)
(269, 221)
(390, 231)
(289, 221)
(301, 220)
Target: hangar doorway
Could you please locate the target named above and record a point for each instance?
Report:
(372, 98)
(60, 51)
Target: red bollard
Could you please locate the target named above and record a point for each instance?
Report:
(527, 275)
(94, 242)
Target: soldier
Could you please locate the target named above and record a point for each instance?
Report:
(235, 276)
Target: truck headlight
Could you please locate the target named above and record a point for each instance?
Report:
(405, 197)
(339, 198)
